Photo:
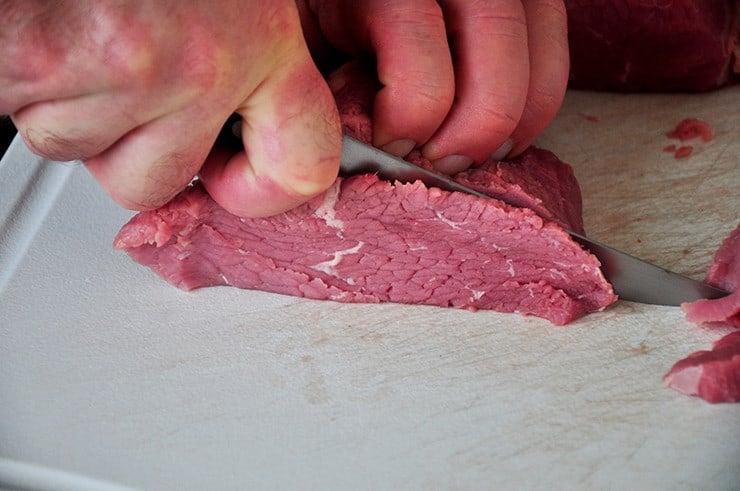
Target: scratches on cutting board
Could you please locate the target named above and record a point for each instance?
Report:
(36, 186)
(316, 390)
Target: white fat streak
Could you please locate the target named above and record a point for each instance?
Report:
(454, 225)
(329, 267)
(327, 210)
(557, 272)
(512, 271)
(477, 294)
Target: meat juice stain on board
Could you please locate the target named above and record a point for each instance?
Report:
(688, 129)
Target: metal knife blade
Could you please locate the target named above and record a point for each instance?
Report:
(632, 278)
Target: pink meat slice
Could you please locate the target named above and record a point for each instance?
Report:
(537, 179)
(712, 375)
(723, 273)
(367, 240)
(636, 45)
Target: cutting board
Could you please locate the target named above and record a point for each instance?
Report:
(107, 371)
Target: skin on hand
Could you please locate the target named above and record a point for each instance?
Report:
(140, 90)
(489, 91)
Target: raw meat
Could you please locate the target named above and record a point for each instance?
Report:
(366, 240)
(715, 375)
(667, 45)
(712, 375)
(551, 191)
(690, 128)
(683, 151)
(723, 273)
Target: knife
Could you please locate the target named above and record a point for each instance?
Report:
(632, 278)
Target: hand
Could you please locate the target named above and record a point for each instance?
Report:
(489, 90)
(139, 91)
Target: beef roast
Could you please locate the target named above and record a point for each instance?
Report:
(367, 240)
(668, 45)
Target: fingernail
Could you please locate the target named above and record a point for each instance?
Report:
(503, 150)
(399, 148)
(452, 164)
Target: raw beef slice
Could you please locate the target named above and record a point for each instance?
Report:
(667, 45)
(367, 240)
(537, 179)
(715, 375)
(724, 273)
(712, 375)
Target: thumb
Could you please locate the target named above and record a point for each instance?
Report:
(292, 145)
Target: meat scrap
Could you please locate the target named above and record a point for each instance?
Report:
(683, 151)
(724, 273)
(367, 240)
(690, 128)
(714, 375)
(635, 45)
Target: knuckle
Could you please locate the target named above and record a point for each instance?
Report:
(166, 177)
(201, 58)
(430, 98)
(545, 99)
(139, 61)
(552, 9)
(130, 53)
(499, 120)
(406, 14)
(489, 13)
(52, 146)
(141, 188)
(309, 180)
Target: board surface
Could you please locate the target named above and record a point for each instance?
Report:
(107, 371)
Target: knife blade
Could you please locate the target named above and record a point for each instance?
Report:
(632, 278)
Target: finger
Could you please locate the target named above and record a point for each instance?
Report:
(82, 127)
(64, 50)
(292, 140)
(414, 66)
(76, 128)
(492, 74)
(148, 166)
(549, 67)
(414, 63)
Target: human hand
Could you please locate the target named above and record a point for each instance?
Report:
(462, 80)
(139, 91)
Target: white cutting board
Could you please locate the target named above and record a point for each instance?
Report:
(107, 371)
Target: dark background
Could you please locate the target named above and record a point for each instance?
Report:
(7, 132)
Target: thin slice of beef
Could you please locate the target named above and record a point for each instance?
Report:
(723, 273)
(715, 375)
(366, 240)
(712, 375)
(659, 46)
(552, 191)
